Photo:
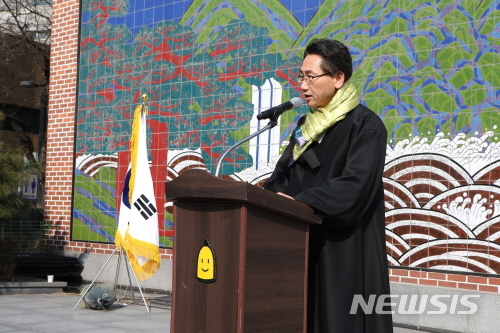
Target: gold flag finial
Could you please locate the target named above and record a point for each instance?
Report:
(144, 98)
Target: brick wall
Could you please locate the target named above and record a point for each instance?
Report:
(61, 130)
(456, 281)
(60, 126)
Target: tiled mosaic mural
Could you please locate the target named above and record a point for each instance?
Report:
(430, 69)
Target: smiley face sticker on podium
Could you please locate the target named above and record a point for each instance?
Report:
(206, 270)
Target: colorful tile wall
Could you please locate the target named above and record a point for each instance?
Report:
(428, 68)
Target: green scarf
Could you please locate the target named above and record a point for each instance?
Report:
(318, 120)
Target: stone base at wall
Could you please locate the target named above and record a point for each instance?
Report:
(93, 263)
(444, 310)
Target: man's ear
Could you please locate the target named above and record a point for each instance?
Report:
(339, 80)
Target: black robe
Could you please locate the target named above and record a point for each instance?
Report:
(341, 179)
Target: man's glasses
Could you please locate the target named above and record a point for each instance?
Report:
(309, 79)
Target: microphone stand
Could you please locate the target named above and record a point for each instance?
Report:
(273, 121)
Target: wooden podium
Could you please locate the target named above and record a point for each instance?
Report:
(260, 246)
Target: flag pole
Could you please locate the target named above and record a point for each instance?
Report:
(142, 206)
(138, 286)
(92, 283)
(122, 253)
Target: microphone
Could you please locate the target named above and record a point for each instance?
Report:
(272, 113)
(277, 110)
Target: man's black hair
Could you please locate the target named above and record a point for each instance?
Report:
(336, 56)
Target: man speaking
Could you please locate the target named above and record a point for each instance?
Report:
(334, 163)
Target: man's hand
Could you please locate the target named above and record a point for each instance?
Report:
(285, 195)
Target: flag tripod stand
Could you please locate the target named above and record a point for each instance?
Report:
(122, 254)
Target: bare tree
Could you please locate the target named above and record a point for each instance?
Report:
(30, 19)
(25, 27)
(24, 44)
